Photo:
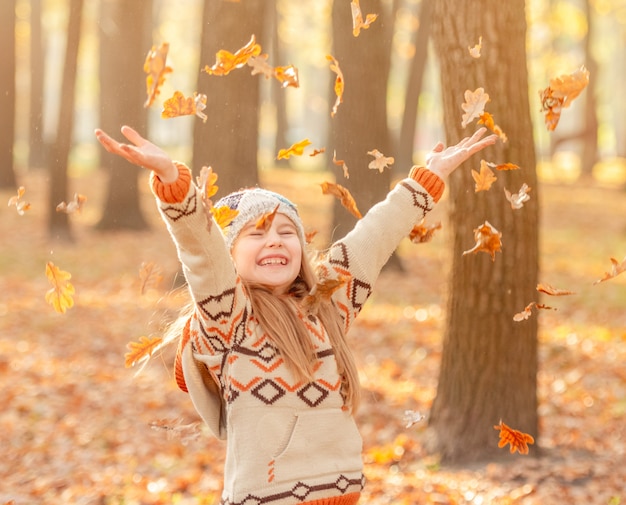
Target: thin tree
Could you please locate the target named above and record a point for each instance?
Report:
(7, 93)
(489, 361)
(124, 43)
(228, 141)
(58, 223)
(36, 144)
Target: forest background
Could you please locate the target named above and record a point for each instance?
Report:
(79, 423)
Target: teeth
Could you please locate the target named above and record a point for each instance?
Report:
(274, 261)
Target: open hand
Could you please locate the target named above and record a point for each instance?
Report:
(444, 160)
(140, 152)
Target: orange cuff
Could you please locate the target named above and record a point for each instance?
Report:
(430, 181)
(174, 192)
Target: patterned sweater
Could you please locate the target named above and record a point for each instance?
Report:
(288, 442)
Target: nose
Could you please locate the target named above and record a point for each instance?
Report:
(274, 239)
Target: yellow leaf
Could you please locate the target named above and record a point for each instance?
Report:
(141, 350)
(357, 18)
(156, 69)
(483, 179)
(224, 215)
(296, 149)
(179, 105)
(60, 295)
(226, 61)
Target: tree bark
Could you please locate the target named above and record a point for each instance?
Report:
(7, 93)
(489, 361)
(36, 144)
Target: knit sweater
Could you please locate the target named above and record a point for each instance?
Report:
(288, 442)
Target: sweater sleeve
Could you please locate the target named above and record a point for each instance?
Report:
(362, 253)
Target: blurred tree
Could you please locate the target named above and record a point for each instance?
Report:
(7, 93)
(124, 41)
(406, 142)
(489, 362)
(360, 124)
(36, 145)
(58, 223)
(228, 141)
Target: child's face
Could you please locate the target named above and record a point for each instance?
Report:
(273, 257)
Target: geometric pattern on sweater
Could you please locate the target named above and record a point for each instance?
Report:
(186, 208)
(420, 198)
(302, 491)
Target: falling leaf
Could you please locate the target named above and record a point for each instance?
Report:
(474, 105)
(226, 61)
(342, 164)
(488, 240)
(179, 105)
(156, 68)
(296, 149)
(357, 18)
(20, 205)
(503, 166)
(322, 291)
(317, 152)
(60, 295)
(487, 119)
(475, 51)
(616, 269)
(380, 161)
(150, 276)
(552, 291)
(483, 179)
(412, 417)
(344, 196)
(518, 199)
(421, 233)
(76, 205)
(266, 220)
(527, 312)
(206, 182)
(224, 215)
(308, 236)
(287, 76)
(176, 430)
(141, 350)
(339, 83)
(518, 440)
(560, 93)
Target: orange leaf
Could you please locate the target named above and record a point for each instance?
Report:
(422, 233)
(517, 200)
(316, 152)
(527, 312)
(504, 166)
(487, 119)
(76, 205)
(474, 105)
(150, 276)
(60, 295)
(308, 236)
(518, 440)
(380, 161)
(20, 205)
(226, 61)
(223, 215)
(179, 105)
(287, 76)
(487, 240)
(339, 83)
(266, 220)
(357, 18)
(156, 69)
(206, 182)
(617, 268)
(322, 291)
(141, 350)
(560, 93)
(296, 149)
(483, 179)
(344, 196)
(342, 164)
(549, 290)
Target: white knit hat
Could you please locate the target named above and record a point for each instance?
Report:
(252, 204)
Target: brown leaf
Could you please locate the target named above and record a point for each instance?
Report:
(487, 240)
(344, 196)
(617, 268)
(518, 440)
(265, 221)
(421, 233)
(552, 291)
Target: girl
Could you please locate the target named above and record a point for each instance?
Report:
(264, 358)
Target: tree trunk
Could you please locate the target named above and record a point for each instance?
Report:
(228, 141)
(360, 124)
(589, 155)
(124, 43)
(7, 93)
(36, 145)
(58, 223)
(406, 143)
(489, 362)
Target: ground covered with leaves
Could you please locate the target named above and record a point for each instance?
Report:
(78, 427)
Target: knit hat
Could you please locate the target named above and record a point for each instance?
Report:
(252, 204)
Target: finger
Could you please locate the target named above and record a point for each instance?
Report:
(438, 148)
(132, 136)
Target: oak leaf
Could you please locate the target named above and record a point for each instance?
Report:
(487, 119)
(156, 68)
(380, 161)
(518, 440)
(474, 105)
(357, 18)
(296, 149)
(287, 75)
(483, 179)
(323, 290)
(552, 291)
(265, 221)
(344, 196)
(518, 199)
(60, 296)
(150, 275)
(141, 350)
(20, 205)
(179, 105)
(616, 269)
(76, 205)
(225, 61)
(528, 310)
(224, 215)
(421, 233)
(206, 182)
(488, 240)
(339, 83)
(560, 93)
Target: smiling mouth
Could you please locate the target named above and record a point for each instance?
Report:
(273, 261)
